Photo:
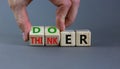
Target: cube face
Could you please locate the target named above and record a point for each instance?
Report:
(36, 35)
(52, 36)
(51, 31)
(37, 30)
(67, 38)
(83, 38)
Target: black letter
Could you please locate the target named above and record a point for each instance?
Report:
(83, 38)
(67, 39)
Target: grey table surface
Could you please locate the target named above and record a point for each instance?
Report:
(102, 17)
(15, 54)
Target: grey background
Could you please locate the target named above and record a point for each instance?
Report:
(102, 17)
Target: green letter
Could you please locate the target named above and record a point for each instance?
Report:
(52, 30)
(36, 29)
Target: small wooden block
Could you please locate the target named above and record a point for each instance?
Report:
(52, 36)
(68, 38)
(36, 35)
(83, 38)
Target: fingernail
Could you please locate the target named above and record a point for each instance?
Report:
(23, 36)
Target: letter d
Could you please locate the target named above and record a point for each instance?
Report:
(36, 29)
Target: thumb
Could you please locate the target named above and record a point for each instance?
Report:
(61, 13)
(25, 34)
(60, 23)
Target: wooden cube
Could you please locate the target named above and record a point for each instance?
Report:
(36, 35)
(68, 38)
(83, 38)
(52, 36)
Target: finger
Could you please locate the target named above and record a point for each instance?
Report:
(26, 33)
(60, 18)
(72, 12)
(28, 2)
(20, 3)
(62, 11)
(23, 22)
(20, 13)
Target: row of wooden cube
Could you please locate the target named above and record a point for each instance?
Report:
(49, 35)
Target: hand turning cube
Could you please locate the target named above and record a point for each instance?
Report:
(51, 36)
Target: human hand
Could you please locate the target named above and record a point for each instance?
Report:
(66, 12)
(19, 9)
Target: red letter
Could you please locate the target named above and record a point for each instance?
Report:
(52, 40)
(55, 41)
(49, 40)
(38, 40)
(33, 40)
